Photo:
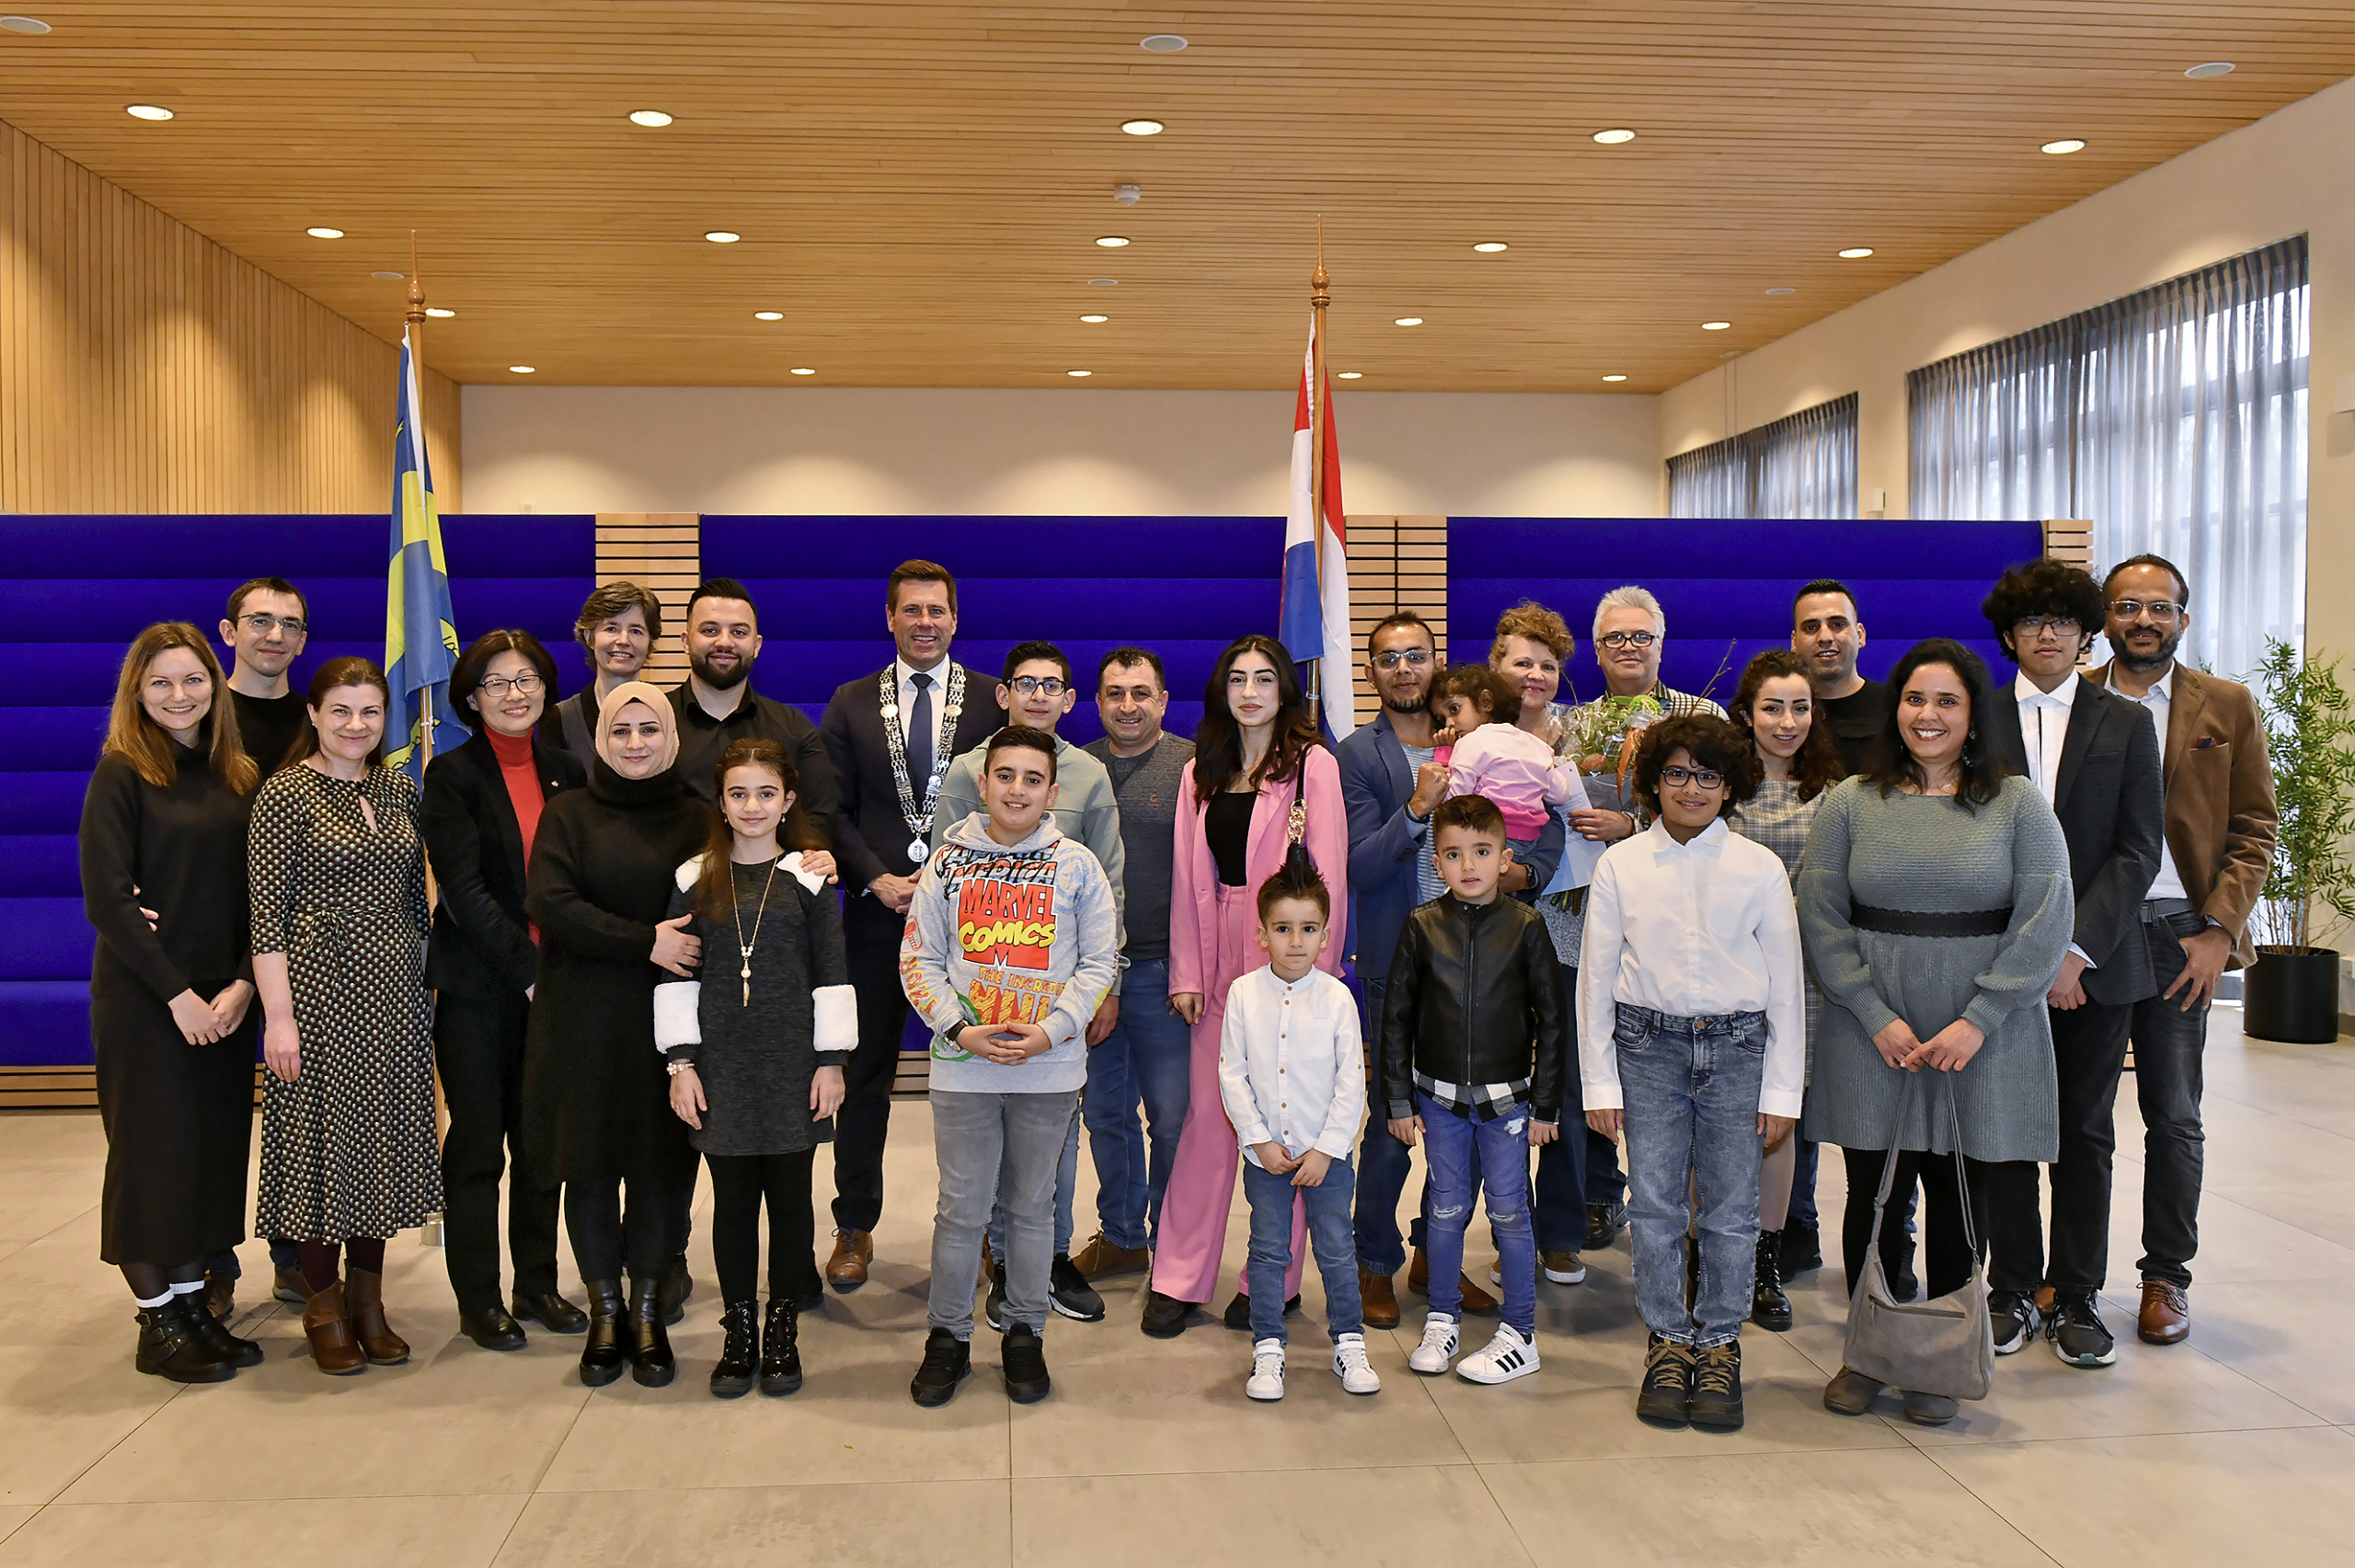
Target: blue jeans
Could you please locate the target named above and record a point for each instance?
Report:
(1329, 1239)
(1804, 1168)
(1146, 1058)
(1503, 1146)
(1691, 1087)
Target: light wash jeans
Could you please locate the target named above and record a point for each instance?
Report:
(1691, 1087)
(1449, 1141)
(993, 1147)
(1329, 1237)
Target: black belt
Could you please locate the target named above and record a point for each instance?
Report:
(1911, 923)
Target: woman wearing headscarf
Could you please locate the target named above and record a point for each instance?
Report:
(596, 1097)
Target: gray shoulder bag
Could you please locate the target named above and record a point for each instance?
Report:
(1945, 1346)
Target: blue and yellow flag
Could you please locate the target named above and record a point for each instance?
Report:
(420, 632)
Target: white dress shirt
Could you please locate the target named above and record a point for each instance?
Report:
(1292, 1063)
(2044, 732)
(2160, 701)
(1694, 929)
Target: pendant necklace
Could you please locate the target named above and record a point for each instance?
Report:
(736, 909)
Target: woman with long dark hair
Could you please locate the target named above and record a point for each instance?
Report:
(337, 864)
(1260, 781)
(171, 1021)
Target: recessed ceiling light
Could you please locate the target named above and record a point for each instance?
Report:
(1162, 43)
(1490, 246)
(1407, 321)
(768, 315)
(147, 111)
(1715, 326)
(1079, 373)
(389, 277)
(1143, 127)
(324, 232)
(442, 311)
(1352, 375)
(1778, 293)
(35, 25)
(525, 370)
(1615, 378)
(1103, 282)
(1614, 136)
(648, 116)
(722, 237)
(1095, 318)
(2065, 145)
(803, 370)
(1112, 242)
(1855, 253)
(2206, 72)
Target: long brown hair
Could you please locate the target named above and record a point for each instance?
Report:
(139, 740)
(1817, 766)
(350, 670)
(715, 891)
(1218, 744)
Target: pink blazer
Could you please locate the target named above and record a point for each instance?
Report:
(1193, 891)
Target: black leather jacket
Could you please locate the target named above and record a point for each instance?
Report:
(1471, 987)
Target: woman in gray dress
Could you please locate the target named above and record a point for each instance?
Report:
(1934, 900)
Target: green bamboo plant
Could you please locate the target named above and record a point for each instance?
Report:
(2309, 897)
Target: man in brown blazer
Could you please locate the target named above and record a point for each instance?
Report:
(2220, 821)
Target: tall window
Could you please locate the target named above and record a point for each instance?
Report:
(1803, 465)
(2173, 419)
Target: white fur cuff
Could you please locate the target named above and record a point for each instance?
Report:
(675, 1022)
(837, 1008)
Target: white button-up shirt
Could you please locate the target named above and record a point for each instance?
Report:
(1292, 1063)
(2160, 701)
(1694, 929)
(2044, 732)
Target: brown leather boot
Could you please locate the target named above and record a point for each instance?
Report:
(854, 1253)
(2166, 1317)
(1381, 1303)
(384, 1348)
(1475, 1300)
(327, 1323)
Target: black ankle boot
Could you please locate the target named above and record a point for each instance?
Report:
(604, 1355)
(740, 1356)
(1769, 1307)
(651, 1361)
(781, 1349)
(225, 1346)
(171, 1346)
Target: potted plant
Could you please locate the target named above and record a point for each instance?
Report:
(2292, 993)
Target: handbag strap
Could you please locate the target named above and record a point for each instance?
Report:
(1889, 1158)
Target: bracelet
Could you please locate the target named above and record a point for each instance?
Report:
(676, 1068)
(1422, 821)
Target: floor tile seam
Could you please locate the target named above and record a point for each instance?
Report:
(2318, 1424)
(1994, 1512)
(171, 1394)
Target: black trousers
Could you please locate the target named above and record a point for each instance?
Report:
(479, 1050)
(2170, 1050)
(871, 933)
(738, 1184)
(1947, 1259)
(594, 1214)
(2088, 1052)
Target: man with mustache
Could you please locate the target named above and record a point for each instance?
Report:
(717, 705)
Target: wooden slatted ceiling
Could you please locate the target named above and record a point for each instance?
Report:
(918, 184)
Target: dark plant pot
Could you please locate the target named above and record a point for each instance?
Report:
(2293, 996)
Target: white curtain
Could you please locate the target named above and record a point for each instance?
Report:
(2174, 419)
(1803, 465)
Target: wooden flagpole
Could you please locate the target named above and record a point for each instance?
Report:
(430, 1234)
(1320, 297)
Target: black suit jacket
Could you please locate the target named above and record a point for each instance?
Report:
(2113, 811)
(871, 837)
(482, 943)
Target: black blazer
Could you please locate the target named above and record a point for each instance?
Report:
(871, 839)
(482, 944)
(2112, 809)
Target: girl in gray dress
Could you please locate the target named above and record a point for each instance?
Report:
(1934, 903)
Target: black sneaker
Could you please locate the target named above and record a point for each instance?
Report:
(1023, 1357)
(1666, 1398)
(1602, 1223)
(2079, 1336)
(1164, 1316)
(1069, 1293)
(1802, 1250)
(1717, 1388)
(1769, 1307)
(1238, 1311)
(677, 1285)
(947, 1361)
(994, 1304)
(2013, 1317)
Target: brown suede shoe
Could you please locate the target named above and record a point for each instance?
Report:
(1101, 1260)
(1381, 1303)
(327, 1323)
(220, 1297)
(366, 1293)
(1475, 1302)
(2165, 1318)
(854, 1251)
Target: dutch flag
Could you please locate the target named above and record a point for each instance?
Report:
(1315, 623)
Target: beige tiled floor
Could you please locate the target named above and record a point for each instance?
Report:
(2238, 1447)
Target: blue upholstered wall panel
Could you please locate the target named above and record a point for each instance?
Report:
(1725, 582)
(91, 583)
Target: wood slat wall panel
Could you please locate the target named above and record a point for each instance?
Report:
(661, 551)
(1395, 563)
(2070, 540)
(146, 369)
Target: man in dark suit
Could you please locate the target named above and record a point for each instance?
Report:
(889, 737)
(2095, 756)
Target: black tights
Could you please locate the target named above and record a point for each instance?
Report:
(738, 1182)
(592, 1214)
(149, 1280)
(321, 1260)
(1947, 1257)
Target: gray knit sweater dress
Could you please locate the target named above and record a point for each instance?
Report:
(1931, 855)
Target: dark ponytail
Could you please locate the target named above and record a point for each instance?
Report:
(1297, 878)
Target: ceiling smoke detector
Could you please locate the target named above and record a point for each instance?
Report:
(1127, 194)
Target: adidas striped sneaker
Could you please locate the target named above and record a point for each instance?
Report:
(1501, 1361)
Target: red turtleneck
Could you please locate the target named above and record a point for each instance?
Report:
(521, 773)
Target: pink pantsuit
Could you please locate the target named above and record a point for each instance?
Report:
(1211, 942)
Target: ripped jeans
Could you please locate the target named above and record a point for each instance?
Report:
(1448, 1142)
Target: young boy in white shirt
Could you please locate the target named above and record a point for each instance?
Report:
(1291, 1072)
(1693, 1035)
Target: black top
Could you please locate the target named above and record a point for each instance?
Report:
(875, 835)
(576, 719)
(1856, 721)
(1226, 824)
(183, 846)
(269, 726)
(482, 945)
(703, 738)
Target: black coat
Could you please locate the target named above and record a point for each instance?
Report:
(1471, 986)
(596, 1100)
(872, 838)
(2112, 809)
(482, 945)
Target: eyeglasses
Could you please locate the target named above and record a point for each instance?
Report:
(1039, 685)
(1628, 639)
(2132, 608)
(1677, 778)
(524, 685)
(2062, 625)
(1397, 657)
(261, 626)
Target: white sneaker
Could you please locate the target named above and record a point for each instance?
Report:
(1267, 1370)
(1350, 1365)
(1501, 1361)
(1438, 1348)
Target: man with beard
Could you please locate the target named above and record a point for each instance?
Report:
(717, 705)
(2220, 824)
(1828, 633)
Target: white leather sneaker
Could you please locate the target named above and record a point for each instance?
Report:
(1501, 1361)
(1432, 1357)
(1350, 1365)
(1267, 1370)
